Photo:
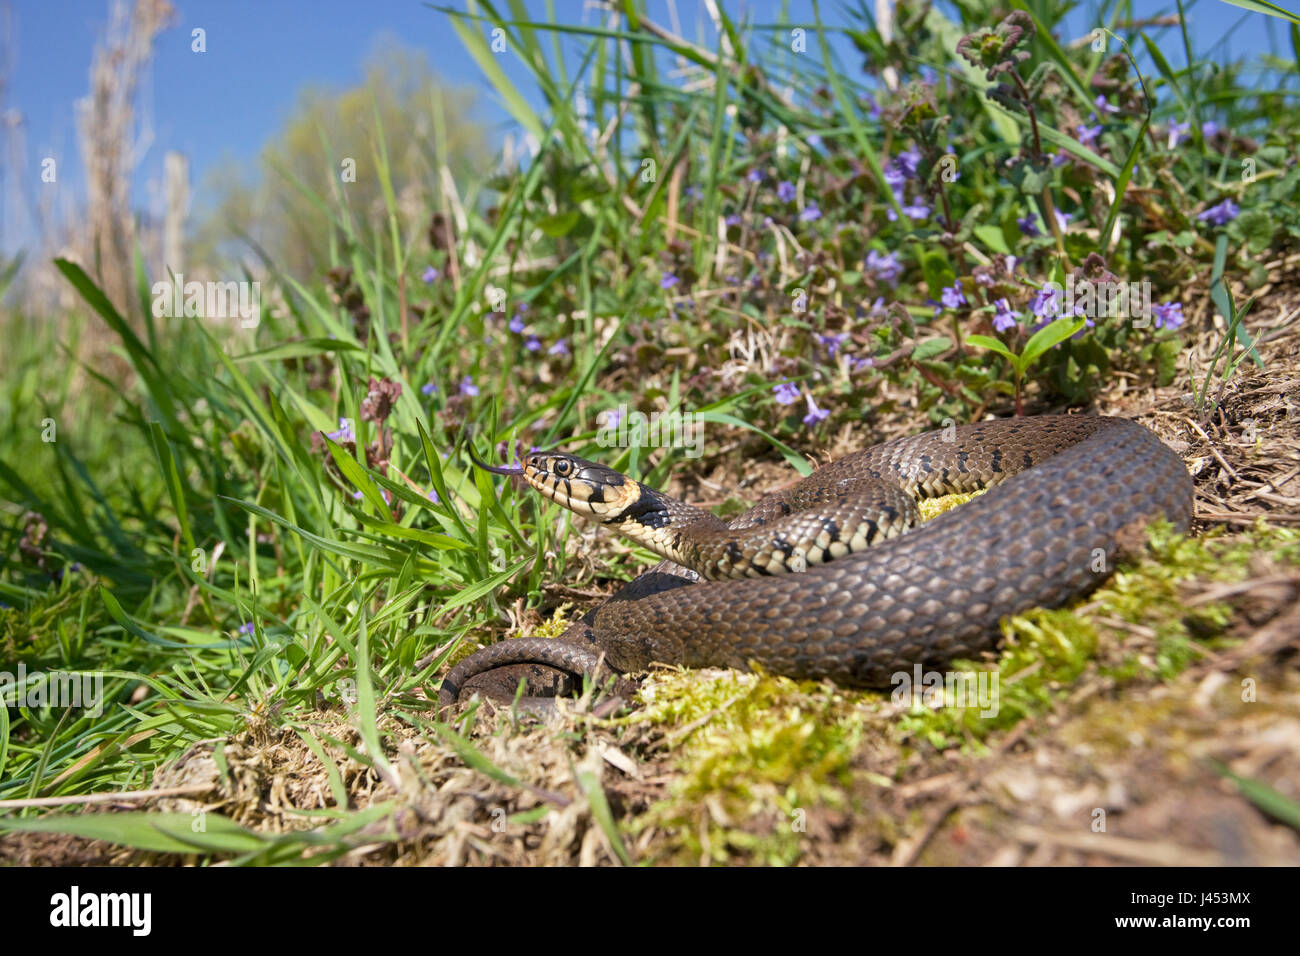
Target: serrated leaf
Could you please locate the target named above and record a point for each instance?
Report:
(930, 348)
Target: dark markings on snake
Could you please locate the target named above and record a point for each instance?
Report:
(648, 512)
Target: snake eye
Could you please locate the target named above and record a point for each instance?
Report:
(561, 467)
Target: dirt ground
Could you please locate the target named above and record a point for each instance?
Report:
(1110, 773)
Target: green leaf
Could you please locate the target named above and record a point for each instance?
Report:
(1166, 355)
(796, 460)
(475, 591)
(938, 273)
(172, 479)
(1257, 229)
(561, 224)
(288, 350)
(354, 473)
(993, 345)
(992, 238)
(472, 39)
(931, 347)
(156, 832)
(589, 783)
(1272, 802)
(1032, 177)
(1266, 8)
(1049, 336)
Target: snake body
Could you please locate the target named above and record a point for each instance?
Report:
(1065, 495)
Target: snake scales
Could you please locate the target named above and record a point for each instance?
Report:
(1066, 493)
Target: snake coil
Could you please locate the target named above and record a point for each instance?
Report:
(1065, 495)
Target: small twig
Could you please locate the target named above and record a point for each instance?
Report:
(90, 798)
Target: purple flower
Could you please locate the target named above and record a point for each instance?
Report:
(787, 393)
(1004, 318)
(1209, 129)
(612, 417)
(561, 347)
(668, 281)
(733, 220)
(785, 191)
(952, 296)
(810, 213)
(1169, 315)
(428, 388)
(246, 627)
(815, 414)
(874, 111)
(1088, 134)
(694, 192)
(430, 275)
(516, 323)
(815, 141)
(1178, 133)
(433, 496)
(907, 162)
(1063, 219)
(1102, 106)
(1029, 226)
(886, 267)
(832, 342)
(356, 496)
(1061, 158)
(918, 210)
(755, 175)
(467, 386)
(1046, 303)
(857, 363)
(1224, 212)
(533, 343)
(894, 179)
(344, 433)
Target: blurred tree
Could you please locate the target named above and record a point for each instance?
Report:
(424, 128)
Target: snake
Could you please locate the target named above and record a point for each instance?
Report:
(833, 578)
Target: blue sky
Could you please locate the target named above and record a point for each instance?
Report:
(225, 104)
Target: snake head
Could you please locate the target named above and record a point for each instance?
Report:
(582, 486)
